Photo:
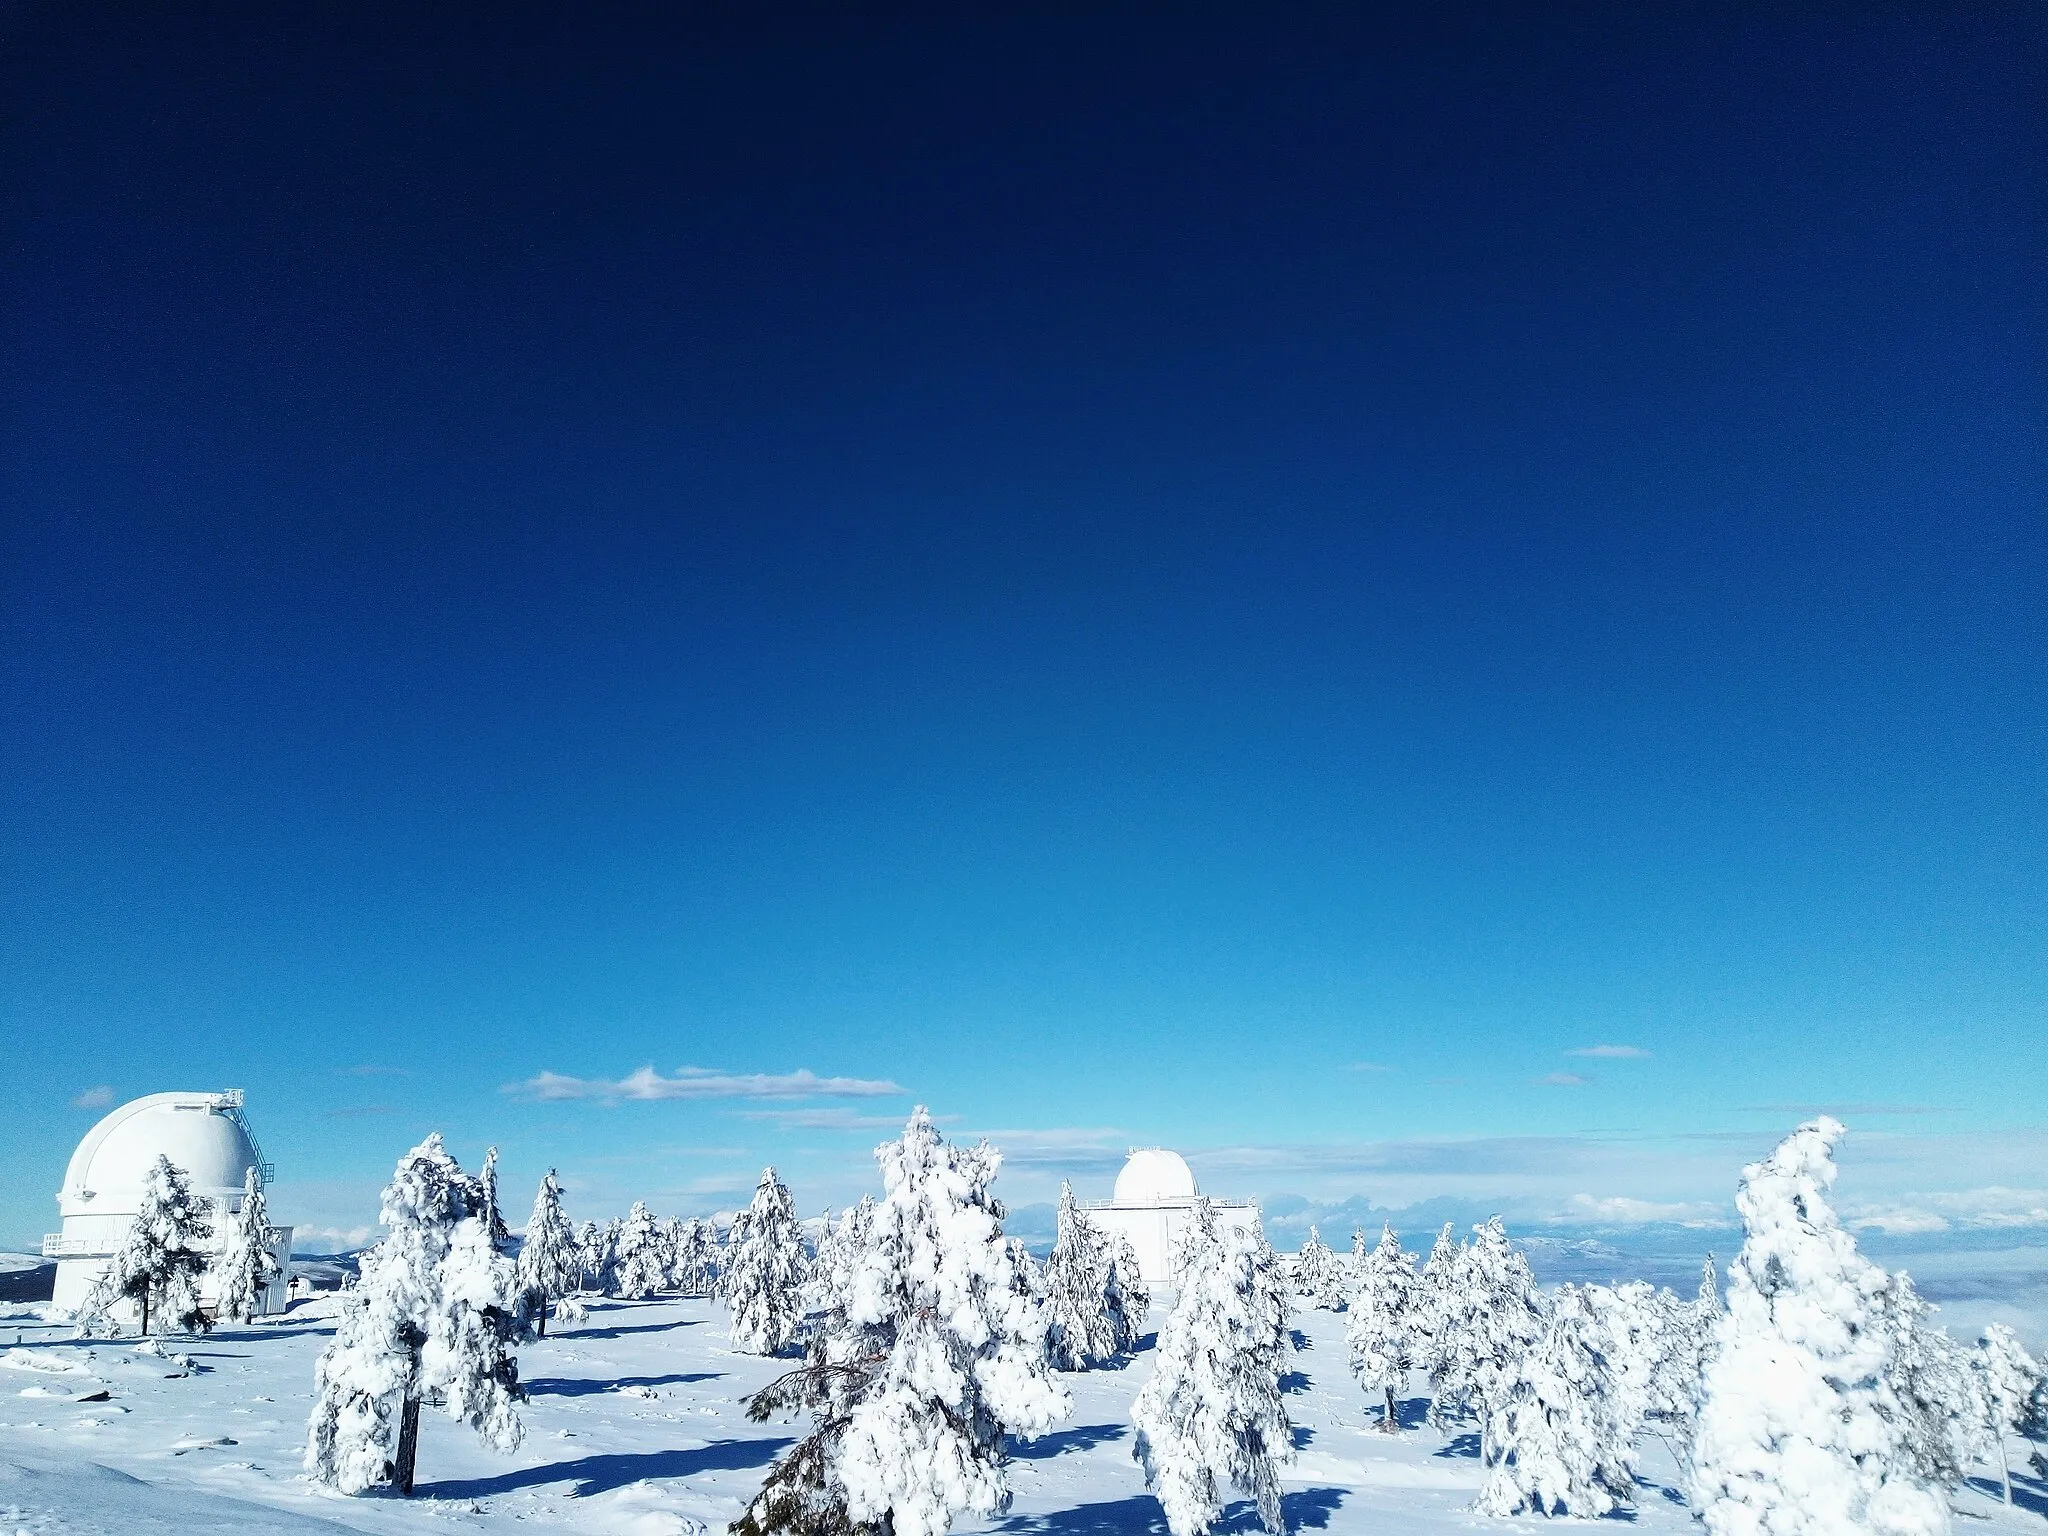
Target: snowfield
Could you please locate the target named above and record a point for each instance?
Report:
(635, 1426)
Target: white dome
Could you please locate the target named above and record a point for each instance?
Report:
(203, 1133)
(1154, 1176)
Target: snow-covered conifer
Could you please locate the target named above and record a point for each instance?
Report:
(1381, 1335)
(763, 1283)
(245, 1264)
(1129, 1302)
(1434, 1344)
(1555, 1443)
(1212, 1412)
(1799, 1432)
(550, 1264)
(428, 1322)
(638, 1257)
(1943, 1411)
(1646, 1373)
(2008, 1383)
(696, 1261)
(591, 1256)
(1080, 1281)
(1489, 1317)
(158, 1265)
(935, 1355)
(1317, 1274)
(487, 1195)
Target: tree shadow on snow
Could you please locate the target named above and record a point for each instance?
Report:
(604, 1473)
(1409, 1412)
(1081, 1437)
(1304, 1437)
(1461, 1445)
(1296, 1381)
(576, 1386)
(2028, 1493)
(1299, 1340)
(622, 1329)
(1308, 1510)
(1136, 1516)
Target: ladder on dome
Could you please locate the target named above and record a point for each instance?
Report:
(230, 1104)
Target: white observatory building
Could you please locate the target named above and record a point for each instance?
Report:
(202, 1133)
(1152, 1204)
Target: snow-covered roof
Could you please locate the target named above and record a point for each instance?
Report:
(1154, 1176)
(203, 1133)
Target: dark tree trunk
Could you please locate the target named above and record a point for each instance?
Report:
(145, 1314)
(541, 1328)
(408, 1446)
(1391, 1423)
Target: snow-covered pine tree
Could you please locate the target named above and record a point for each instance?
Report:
(2009, 1383)
(487, 1196)
(765, 1271)
(550, 1263)
(1434, 1345)
(930, 1356)
(245, 1264)
(428, 1322)
(1555, 1443)
(1944, 1414)
(1212, 1412)
(640, 1270)
(1129, 1302)
(1799, 1432)
(1317, 1274)
(1490, 1318)
(697, 1258)
(829, 1284)
(1381, 1334)
(158, 1265)
(1080, 1280)
(1632, 1333)
(592, 1257)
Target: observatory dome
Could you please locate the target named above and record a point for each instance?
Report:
(1154, 1176)
(203, 1133)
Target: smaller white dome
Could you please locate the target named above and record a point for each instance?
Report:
(1155, 1176)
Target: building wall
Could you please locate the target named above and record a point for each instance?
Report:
(1153, 1230)
(100, 1234)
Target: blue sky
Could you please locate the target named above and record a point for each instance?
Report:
(1263, 584)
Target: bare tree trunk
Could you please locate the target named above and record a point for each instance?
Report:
(145, 1314)
(541, 1329)
(408, 1446)
(2004, 1468)
(1390, 1423)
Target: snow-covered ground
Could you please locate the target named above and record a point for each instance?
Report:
(636, 1426)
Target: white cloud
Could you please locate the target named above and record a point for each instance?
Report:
(1561, 1080)
(330, 1239)
(1058, 1146)
(101, 1097)
(702, 1083)
(1994, 1206)
(1610, 1052)
(1626, 1211)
